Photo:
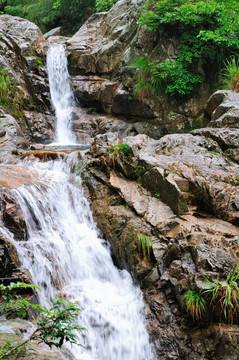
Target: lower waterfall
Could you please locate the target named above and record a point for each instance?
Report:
(66, 258)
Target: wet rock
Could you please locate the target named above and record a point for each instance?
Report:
(41, 126)
(12, 216)
(10, 269)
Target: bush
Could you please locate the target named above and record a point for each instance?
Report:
(54, 325)
(169, 77)
(207, 31)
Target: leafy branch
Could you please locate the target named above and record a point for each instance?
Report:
(55, 325)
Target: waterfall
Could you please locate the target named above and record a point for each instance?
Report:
(61, 93)
(66, 257)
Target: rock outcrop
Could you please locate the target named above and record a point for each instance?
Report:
(22, 58)
(101, 54)
(181, 192)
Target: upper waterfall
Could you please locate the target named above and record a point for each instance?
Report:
(61, 93)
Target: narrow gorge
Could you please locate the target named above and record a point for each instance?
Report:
(120, 204)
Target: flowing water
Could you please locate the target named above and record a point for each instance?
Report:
(61, 94)
(64, 254)
(66, 257)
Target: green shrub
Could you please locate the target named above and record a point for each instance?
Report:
(54, 325)
(207, 32)
(169, 77)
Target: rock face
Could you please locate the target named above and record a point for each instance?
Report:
(181, 191)
(105, 48)
(22, 55)
(98, 47)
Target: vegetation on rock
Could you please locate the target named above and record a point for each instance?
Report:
(11, 96)
(221, 296)
(104, 5)
(195, 304)
(207, 32)
(230, 74)
(54, 325)
(145, 244)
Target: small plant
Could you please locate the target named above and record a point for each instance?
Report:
(230, 74)
(224, 296)
(10, 343)
(54, 325)
(195, 304)
(116, 148)
(104, 5)
(145, 244)
(157, 195)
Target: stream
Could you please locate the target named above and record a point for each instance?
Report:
(65, 255)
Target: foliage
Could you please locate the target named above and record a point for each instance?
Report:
(145, 244)
(9, 346)
(47, 14)
(10, 95)
(5, 85)
(230, 74)
(207, 31)
(117, 148)
(54, 325)
(169, 77)
(104, 5)
(224, 296)
(195, 304)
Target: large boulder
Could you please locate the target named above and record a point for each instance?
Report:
(27, 36)
(99, 45)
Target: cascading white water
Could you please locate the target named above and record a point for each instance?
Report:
(66, 258)
(61, 93)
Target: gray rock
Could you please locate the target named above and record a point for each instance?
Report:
(53, 32)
